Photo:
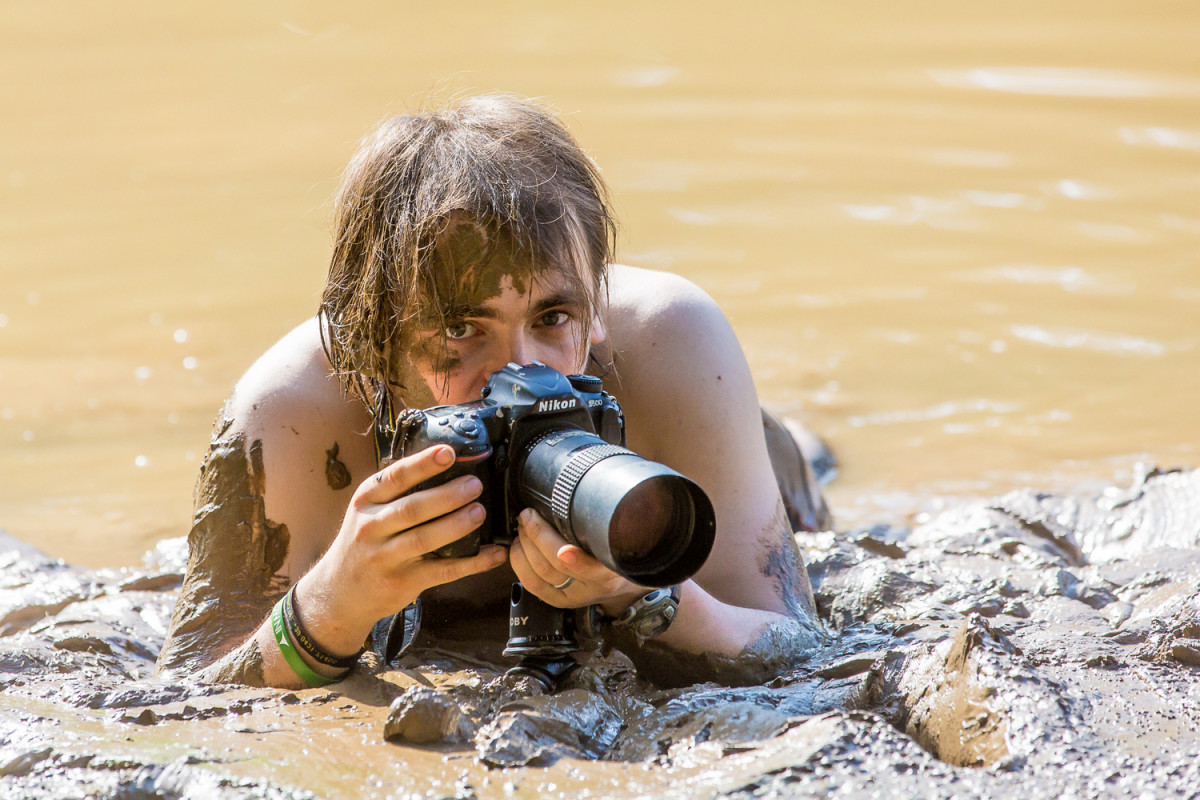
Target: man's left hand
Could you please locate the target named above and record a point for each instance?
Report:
(565, 575)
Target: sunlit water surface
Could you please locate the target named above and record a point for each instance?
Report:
(958, 240)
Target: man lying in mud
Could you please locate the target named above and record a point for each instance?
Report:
(466, 239)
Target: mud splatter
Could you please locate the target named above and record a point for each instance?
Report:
(471, 264)
(337, 475)
(235, 557)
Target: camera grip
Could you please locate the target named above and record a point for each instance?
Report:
(419, 431)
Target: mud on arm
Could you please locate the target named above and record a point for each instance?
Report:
(690, 402)
(734, 645)
(235, 567)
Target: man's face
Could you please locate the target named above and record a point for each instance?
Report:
(497, 308)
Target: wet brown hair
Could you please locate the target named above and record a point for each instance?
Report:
(502, 162)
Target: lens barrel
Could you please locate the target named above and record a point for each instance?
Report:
(640, 518)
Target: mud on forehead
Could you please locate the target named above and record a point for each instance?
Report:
(473, 264)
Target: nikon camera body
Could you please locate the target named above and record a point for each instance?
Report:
(555, 443)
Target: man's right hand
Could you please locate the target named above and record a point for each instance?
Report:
(378, 563)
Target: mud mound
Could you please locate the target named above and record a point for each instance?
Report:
(1034, 643)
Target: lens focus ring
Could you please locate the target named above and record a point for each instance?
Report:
(572, 473)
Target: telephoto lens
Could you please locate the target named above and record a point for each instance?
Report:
(640, 518)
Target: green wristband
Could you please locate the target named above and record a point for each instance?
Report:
(312, 678)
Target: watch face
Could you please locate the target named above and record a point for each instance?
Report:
(651, 614)
(656, 619)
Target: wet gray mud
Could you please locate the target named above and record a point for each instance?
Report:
(1037, 644)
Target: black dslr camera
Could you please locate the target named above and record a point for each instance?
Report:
(552, 442)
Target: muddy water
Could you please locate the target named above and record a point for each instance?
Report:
(957, 240)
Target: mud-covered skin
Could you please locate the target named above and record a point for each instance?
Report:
(337, 475)
(235, 557)
(242, 665)
(794, 451)
(973, 639)
(408, 384)
(471, 265)
(778, 648)
(782, 562)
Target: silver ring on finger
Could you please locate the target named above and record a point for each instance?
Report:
(564, 584)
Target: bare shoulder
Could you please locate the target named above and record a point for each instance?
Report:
(674, 352)
(644, 296)
(314, 440)
(663, 321)
(291, 381)
(285, 455)
(690, 402)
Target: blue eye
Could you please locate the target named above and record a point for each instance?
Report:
(460, 330)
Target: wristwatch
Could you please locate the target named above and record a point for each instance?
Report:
(651, 614)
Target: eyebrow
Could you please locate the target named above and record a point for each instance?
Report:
(560, 298)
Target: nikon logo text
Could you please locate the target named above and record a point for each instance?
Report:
(546, 406)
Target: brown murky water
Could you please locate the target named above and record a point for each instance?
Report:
(958, 240)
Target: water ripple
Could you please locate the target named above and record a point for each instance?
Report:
(1065, 82)
(667, 257)
(1160, 137)
(727, 215)
(1076, 190)
(964, 157)
(1003, 199)
(915, 210)
(1067, 278)
(645, 77)
(1117, 344)
(939, 411)
(1111, 232)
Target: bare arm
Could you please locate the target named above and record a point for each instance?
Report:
(271, 512)
(690, 403)
(236, 562)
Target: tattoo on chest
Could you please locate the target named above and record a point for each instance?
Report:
(336, 473)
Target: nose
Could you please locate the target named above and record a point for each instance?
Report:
(515, 349)
(521, 349)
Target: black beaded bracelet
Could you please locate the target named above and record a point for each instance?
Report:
(305, 642)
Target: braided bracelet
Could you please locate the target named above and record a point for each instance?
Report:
(306, 673)
(301, 639)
